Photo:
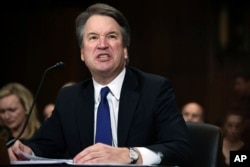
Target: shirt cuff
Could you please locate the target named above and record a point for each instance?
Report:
(149, 157)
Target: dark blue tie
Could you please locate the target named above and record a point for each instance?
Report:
(103, 124)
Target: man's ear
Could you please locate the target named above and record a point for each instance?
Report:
(82, 54)
(125, 53)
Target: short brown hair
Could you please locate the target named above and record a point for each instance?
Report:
(106, 10)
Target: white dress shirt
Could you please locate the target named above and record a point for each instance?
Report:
(149, 157)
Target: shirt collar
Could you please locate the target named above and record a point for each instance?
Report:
(115, 86)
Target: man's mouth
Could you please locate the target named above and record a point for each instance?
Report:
(103, 56)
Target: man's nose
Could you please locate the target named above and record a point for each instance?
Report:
(188, 118)
(103, 43)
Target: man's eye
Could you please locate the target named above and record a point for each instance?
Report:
(93, 38)
(112, 36)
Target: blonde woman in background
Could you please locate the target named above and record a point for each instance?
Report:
(15, 103)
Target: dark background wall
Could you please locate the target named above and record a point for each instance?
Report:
(197, 44)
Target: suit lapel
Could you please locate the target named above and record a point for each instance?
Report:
(128, 103)
(85, 115)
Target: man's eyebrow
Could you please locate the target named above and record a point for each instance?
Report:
(111, 32)
(91, 33)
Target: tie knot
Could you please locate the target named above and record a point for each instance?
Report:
(104, 92)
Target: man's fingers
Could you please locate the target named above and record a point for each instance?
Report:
(89, 153)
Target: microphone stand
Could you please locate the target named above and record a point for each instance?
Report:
(11, 142)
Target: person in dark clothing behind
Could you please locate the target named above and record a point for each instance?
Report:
(242, 90)
(233, 129)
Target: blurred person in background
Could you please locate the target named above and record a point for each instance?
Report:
(242, 89)
(233, 129)
(193, 112)
(48, 108)
(15, 103)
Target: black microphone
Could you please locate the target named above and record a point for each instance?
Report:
(59, 64)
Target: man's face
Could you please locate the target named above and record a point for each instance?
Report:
(103, 51)
(192, 113)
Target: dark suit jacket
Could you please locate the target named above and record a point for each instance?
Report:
(148, 117)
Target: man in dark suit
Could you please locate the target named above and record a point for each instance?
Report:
(146, 126)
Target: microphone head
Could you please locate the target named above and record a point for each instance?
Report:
(59, 64)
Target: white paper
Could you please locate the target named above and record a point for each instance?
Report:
(32, 159)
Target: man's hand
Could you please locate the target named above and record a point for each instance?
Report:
(15, 151)
(102, 153)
